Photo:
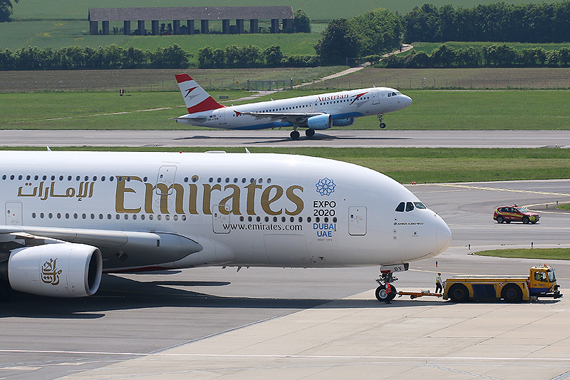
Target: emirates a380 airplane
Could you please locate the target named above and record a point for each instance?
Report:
(71, 216)
(313, 112)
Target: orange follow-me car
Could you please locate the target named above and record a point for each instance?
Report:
(515, 213)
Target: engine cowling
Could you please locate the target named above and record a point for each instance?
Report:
(320, 122)
(343, 122)
(56, 270)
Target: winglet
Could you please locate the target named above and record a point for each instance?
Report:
(195, 97)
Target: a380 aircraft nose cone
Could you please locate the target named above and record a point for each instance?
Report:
(443, 236)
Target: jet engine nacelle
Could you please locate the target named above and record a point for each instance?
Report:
(343, 122)
(56, 270)
(320, 122)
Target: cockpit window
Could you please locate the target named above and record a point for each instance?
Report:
(409, 206)
(401, 207)
(419, 205)
(394, 94)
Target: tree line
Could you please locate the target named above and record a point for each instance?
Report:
(498, 22)
(487, 56)
(108, 57)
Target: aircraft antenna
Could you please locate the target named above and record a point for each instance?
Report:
(247, 150)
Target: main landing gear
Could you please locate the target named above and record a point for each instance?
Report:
(382, 124)
(387, 277)
(295, 135)
(309, 133)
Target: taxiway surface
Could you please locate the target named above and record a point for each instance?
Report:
(213, 323)
(336, 137)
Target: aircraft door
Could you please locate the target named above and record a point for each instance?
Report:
(376, 97)
(222, 116)
(166, 175)
(357, 221)
(220, 220)
(14, 213)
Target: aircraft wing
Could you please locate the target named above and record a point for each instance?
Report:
(118, 248)
(293, 118)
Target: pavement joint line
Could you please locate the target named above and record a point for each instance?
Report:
(462, 372)
(500, 189)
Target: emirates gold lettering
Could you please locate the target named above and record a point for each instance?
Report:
(163, 198)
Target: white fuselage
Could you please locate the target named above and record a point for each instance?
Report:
(243, 209)
(343, 106)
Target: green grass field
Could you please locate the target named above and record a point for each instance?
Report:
(421, 165)
(431, 110)
(536, 253)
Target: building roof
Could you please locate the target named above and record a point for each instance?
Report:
(190, 13)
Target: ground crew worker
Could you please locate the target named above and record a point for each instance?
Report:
(388, 289)
(438, 284)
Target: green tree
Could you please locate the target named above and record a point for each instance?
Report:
(273, 55)
(6, 9)
(338, 42)
(301, 22)
(250, 56)
(377, 31)
(219, 59)
(205, 55)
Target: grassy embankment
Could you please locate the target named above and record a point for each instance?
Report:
(535, 253)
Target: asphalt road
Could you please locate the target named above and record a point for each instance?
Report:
(136, 315)
(336, 137)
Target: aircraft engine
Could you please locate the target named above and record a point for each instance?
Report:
(343, 122)
(320, 122)
(56, 270)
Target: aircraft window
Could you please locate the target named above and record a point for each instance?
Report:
(87, 178)
(77, 178)
(109, 216)
(308, 219)
(126, 216)
(92, 216)
(249, 218)
(111, 178)
(326, 219)
(50, 215)
(4, 177)
(283, 219)
(194, 178)
(401, 207)
(183, 217)
(268, 180)
(150, 217)
(75, 216)
(100, 216)
(185, 179)
(317, 219)
(267, 219)
(235, 180)
(251, 180)
(35, 177)
(258, 218)
(42, 215)
(94, 178)
(134, 216)
(419, 205)
(44, 177)
(34, 215)
(300, 219)
(142, 217)
(243, 180)
(261, 180)
(335, 219)
(210, 180)
(58, 215)
(117, 216)
(84, 216)
(175, 217)
(227, 180)
(167, 217)
(20, 177)
(241, 218)
(128, 179)
(292, 219)
(69, 178)
(119, 179)
(409, 206)
(274, 219)
(28, 177)
(219, 180)
(61, 178)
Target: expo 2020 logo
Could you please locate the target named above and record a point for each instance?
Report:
(325, 186)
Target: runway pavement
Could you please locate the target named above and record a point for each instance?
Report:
(214, 323)
(336, 137)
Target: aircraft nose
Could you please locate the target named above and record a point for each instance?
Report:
(406, 101)
(443, 235)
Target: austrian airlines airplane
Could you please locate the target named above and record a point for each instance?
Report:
(71, 216)
(313, 112)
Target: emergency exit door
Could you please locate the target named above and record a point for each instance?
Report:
(357, 221)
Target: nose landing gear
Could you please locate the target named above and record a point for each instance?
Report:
(380, 118)
(386, 292)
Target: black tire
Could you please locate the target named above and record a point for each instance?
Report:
(382, 296)
(295, 135)
(382, 125)
(500, 219)
(458, 293)
(512, 293)
(507, 221)
(310, 132)
(525, 219)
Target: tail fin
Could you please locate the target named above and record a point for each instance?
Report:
(195, 97)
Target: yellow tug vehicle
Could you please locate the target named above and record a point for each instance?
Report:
(540, 283)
